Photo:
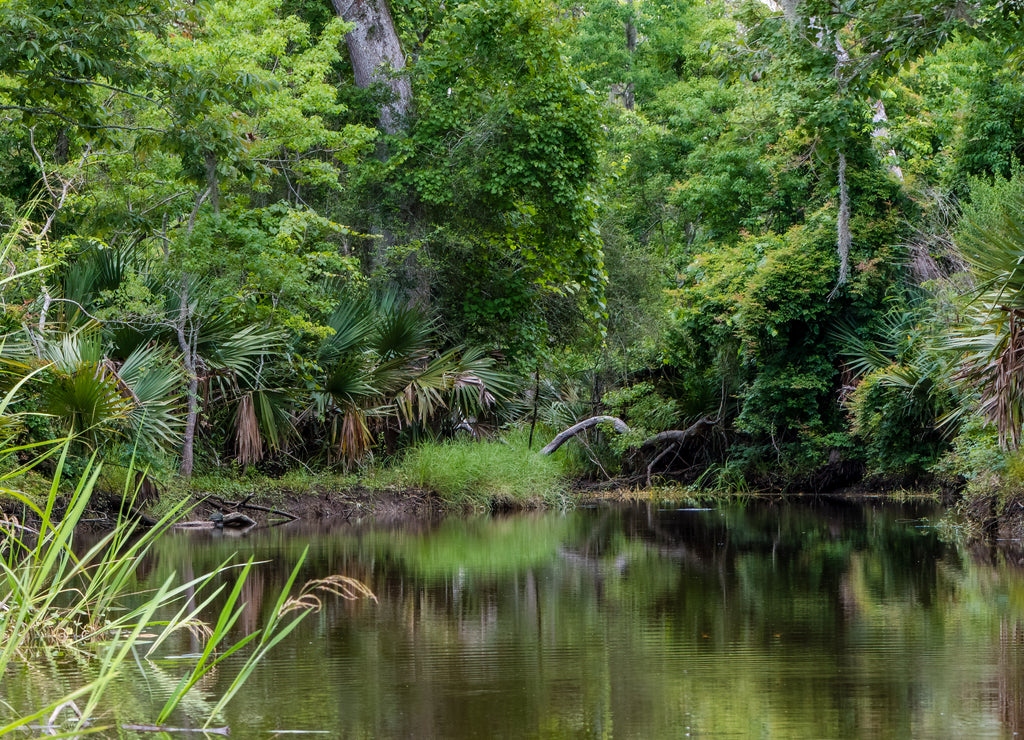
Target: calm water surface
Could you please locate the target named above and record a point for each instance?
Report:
(799, 619)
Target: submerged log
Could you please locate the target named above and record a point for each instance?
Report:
(244, 504)
(232, 520)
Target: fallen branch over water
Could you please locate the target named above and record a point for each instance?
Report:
(619, 425)
(676, 436)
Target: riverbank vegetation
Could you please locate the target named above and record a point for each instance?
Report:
(240, 238)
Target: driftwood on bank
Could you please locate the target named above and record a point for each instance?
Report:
(675, 436)
(244, 504)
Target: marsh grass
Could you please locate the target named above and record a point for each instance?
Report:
(475, 475)
(59, 603)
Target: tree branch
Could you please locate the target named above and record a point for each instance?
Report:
(677, 436)
(619, 424)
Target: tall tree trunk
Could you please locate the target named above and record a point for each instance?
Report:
(376, 55)
(213, 187)
(186, 343)
(843, 236)
(628, 92)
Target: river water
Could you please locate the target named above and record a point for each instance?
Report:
(803, 618)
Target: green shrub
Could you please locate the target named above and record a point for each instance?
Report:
(644, 409)
(898, 425)
(483, 475)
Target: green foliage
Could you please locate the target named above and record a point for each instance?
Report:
(976, 456)
(989, 337)
(898, 424)
(382, 368)
(57, 58)
(644, 410)
(272, 264)
(508, 168)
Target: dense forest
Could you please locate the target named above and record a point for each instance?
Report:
(276, 233)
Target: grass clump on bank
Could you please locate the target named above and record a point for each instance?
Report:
(468, 474)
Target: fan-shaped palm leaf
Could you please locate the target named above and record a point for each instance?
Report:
(403, 331)
(154, 379)
(353, 322)
(350, 381)
(478, 383)
(96, 269)
(995, 253)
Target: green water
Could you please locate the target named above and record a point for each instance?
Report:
(799, 619)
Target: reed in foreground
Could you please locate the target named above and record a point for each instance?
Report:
(58, 604)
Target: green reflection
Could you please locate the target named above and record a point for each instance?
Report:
(769, 619)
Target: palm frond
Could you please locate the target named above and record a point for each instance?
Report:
(154, 379)
(248, 439)
(404, 330)
(262, 421)
(353, 322)
(995, 253)
(478, 383)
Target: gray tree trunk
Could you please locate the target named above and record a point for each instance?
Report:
(843, 237)
(629, 95)
(376, 55)
(188, 353)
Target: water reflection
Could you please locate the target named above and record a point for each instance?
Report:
(775, 619)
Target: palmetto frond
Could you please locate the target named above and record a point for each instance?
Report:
(237, 351)
(995, 253)
(154, 378)
(96, 269)
(990, 340)
(898, 340)
(403, 331)
(380, 363)
(262, 421)
(479, 383)
(353, 322)
(991, 347)
(107, 401)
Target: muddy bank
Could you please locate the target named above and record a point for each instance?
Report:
(352, 504)
(266, 508)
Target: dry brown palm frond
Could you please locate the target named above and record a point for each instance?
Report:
(248, 439)
(1002, 388)
(484, 398)
(354, 440)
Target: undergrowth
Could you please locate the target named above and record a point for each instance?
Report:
(467, 474)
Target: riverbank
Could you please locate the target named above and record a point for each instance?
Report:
(495, 477)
